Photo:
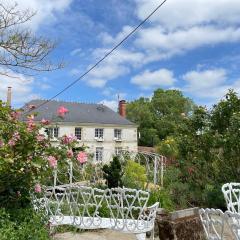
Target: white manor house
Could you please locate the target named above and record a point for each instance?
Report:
(96, 126)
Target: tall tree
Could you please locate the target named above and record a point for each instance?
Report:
(20, 50)
(160, 116)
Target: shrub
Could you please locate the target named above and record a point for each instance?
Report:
(113, 173)
(22, 224)
(134, 175)
(27, 158)
(163, 197)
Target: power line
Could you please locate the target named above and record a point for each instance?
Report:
(102, 59)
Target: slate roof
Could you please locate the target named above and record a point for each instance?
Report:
(78, 113)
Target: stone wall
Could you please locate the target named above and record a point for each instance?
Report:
(179, 225)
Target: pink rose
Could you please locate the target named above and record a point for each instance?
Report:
(45, 122)
(38, 188)
(52, 161)
(40, 137)
(11, 142)
(62, 111)
(68, 139)
(82, 157)
(30, 126)
(30, 117)
(69, 153)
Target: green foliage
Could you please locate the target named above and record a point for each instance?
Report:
(168, 147)
(209, 151)
(134, 175)
(159, 117)
(113, 173)
(22, 224)
(24, 157)
(163, 197)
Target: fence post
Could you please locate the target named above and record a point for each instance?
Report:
(155, 171)
(162, 171)
(70, 172)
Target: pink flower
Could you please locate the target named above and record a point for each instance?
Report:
(45, 122)
(12, 142)
(69, 153)
(68, 139)
(31, 106)
(38, 188)
(40, 137)
(16, 136)
(18, 193)
(62, 111)
(52, 161)
(30, 117)
(30, 126)
(82, 157)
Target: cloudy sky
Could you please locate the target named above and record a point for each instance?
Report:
(188, 45)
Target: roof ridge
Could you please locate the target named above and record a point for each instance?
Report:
(64, 101)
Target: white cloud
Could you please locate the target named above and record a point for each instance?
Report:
(45, 10)
(161, 44)
(160, 78)
(179, 26)
(22, 87)
(116, 65)
(99, 83)
(211, 84)
(113, 104)
(186, 13)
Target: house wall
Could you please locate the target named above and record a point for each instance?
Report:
(129, 138)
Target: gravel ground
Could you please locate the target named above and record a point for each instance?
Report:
(95, 235)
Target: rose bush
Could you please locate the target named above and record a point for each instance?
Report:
(27, 157)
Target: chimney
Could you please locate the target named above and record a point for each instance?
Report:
(9, 96)
(122, 108)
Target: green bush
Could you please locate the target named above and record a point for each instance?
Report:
(134, 175)
(22, 224)
(113, 173)
(163, 197)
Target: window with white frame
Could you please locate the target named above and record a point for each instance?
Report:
(78, 133)
(99, 154)
(98, 132)
(118, 150)
(52, 132)
(118, 134)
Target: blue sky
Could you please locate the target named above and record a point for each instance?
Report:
(188, 45)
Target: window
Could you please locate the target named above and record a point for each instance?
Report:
(99, 154)
(118, 134)
(78, 133)
(98, 132)
(52, 132)
(118, 150)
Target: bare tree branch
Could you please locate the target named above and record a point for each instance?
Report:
(20, 50)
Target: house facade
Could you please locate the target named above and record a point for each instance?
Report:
(104, 132)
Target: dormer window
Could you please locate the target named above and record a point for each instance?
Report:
(117, 134)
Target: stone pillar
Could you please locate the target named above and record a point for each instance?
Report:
(180, 225)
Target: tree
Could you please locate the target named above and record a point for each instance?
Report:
(21, 51)
(159, 117)
(169, 108)
(209, 151)
(113, 173)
